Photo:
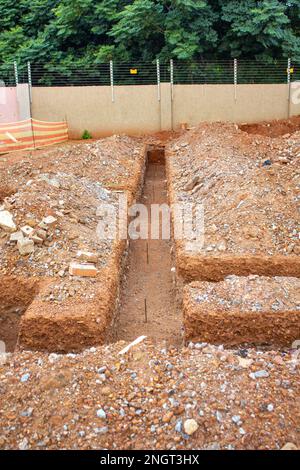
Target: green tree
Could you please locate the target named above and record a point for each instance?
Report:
(258, 29)
(83, 32)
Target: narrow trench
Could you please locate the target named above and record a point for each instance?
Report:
(148, 304)
(15, 297)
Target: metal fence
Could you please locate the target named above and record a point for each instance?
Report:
(150, 73)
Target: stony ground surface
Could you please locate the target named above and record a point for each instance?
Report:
(201, 397)
(50, 201)
(249, 294)
(67, 183)
(156, 396)
(243, 310)
(248, 184)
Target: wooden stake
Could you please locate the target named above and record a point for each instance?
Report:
(146, 314)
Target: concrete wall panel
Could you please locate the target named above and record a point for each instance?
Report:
(137, 109)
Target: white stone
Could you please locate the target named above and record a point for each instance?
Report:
(16, 236)
(27, 230)
(87, 256)
(49, 220)
(25, 246)
(289, 446)
(37, 240)
(6, 221)
(83, 270)
(190, 426)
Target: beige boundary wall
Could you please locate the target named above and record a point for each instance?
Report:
(138, 109)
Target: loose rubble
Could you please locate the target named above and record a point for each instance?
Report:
(253, 310)
(250, 209)
(152, 397)
(51, 234)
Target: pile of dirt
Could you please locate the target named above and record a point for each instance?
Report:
(54, 217)
(249, 187)
(275, 128)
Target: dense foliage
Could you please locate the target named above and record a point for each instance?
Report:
(94, 31)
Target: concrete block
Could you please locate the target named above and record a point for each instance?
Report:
(16, 236)
(27, 230)
(25, 246)
(36, 239)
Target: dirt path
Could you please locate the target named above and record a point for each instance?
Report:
(149, 280)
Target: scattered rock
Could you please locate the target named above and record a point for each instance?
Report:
(87, 256)
(289, 446)
(25, 246)
(6, 221)
(190, 426)
(16, 236)
(259, 374)
(27, 230)
(101, 413)
(25, 377)
(49, 221)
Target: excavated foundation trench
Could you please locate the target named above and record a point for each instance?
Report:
(148, 297)
(15, 297)
(148, 301)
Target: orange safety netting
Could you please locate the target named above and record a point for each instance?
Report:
(31, 133)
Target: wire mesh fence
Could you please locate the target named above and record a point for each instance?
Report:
(150, 73)
(7, 75)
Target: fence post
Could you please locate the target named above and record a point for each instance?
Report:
(158, 79)
(289, 84)
(172, 92)
(16, 73)
(111, 72)
(172, 78)
(235, 72)
(29, 81)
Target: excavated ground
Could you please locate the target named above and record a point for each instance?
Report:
(68, 183)
(148, 299)
(241, 398)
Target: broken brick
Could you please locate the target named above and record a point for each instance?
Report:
(83, 270)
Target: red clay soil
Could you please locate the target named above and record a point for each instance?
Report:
(243, 310)
(16, 294)
(148, 300)
(273, 128)
(242, 398)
